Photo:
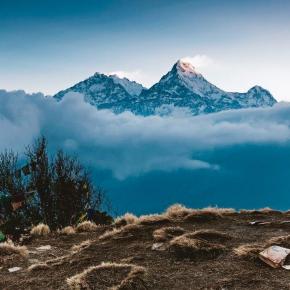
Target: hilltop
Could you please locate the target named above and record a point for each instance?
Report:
(180, 249)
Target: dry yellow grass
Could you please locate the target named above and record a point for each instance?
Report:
(40, 230)
(187, 247)
(283, 241)
(8, 248)
(217, 210)
(177, 212)
(69, 230)
(268, 210)
(125, 231)
(153, 219)
(86, 226)
(38, 267)
(79, 281)
(210, 235)
(126, 219)
(167, 233)
(248, 251)
(81, 246)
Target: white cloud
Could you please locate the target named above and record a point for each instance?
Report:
(131, 145)
(198, 61)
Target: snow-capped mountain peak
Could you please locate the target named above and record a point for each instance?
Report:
(186, 68)
(181, 87)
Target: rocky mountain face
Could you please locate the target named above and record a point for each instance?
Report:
(182, 87)
(106, 92)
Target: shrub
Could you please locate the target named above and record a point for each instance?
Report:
(40, 230)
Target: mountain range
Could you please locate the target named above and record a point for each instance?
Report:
(182, 87)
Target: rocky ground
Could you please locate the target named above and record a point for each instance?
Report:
(181, 249)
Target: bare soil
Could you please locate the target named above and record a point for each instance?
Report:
(165, 269)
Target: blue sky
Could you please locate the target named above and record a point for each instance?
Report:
(49, 45)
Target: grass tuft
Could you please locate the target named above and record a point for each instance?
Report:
(86, 226)
(40, 230)
(67, 231)
(8, 248)
(186, 247)
(167, 233)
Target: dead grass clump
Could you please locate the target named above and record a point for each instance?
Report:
(201, 217)
(83, 245)
(67, 231)
(268, 210)
(167, 233)
(177, 212)
(126, 219)
(218, 211)
(134, 280)
(283, 241)
(38, 267)
(154, 219)
(86, 226)
(249, 211)
(128, 231)
(8, 248)
(210, 235)
(248, 251)
(40, 230)
(186, 247)
(108, 276)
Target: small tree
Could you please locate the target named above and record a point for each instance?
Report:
(41, 178)
(72, 189)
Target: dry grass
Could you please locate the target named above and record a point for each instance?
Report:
(67, 231)
(126, 219)
(86, 226)
(127, 231)
(218, 211)
(177, 212)
(283, 241)
(38, 267)
(132, 279)
(167, 233)
(210, 235)
(8, 248)
(186, 247)
(248, 251)
(153, 219)
(40, 230)
(83, 245)
(268, 210)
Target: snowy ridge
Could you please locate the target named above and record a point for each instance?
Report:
(182, 88)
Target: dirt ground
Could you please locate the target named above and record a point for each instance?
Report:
(163, 268)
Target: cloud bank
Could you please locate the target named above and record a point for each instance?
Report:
(129, 145)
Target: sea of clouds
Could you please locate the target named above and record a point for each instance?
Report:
(132, 146)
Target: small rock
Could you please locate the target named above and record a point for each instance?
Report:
(44, 248)
(14, 269)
